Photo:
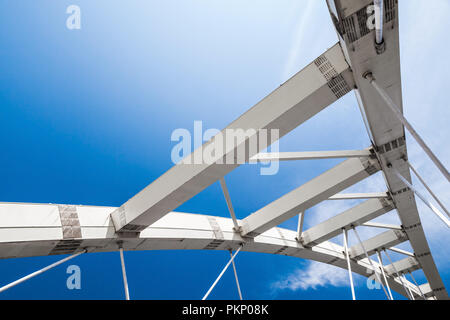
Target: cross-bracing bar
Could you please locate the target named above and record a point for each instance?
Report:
(301, 219)
(371, 263)
(236, 276)
(380, 261)
(349, 267)
(124, 274)
(428, 188)
(226, 194)
(429, 204)
(310, 155)
(418, 287)
(297, 100)
(358, 196)
(406, 253)
(32, 275)
(309, 194)
(382, 225)
(398, 275)
(409, 289)
(221, 274)
(396, 110)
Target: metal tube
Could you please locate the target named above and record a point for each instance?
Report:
(344, 234)
(429, 189)
(406, 253)
(380, 261)
(379, 15)
(409, 289)
(391, 104)
(236, 277)
(301, 218)
(124, 275)
(429, 204)
(32, 275)
(370, 261)
(398, 275)
(418, 287)
(229, 204)
(221, 274)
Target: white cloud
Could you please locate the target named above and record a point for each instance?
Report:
(315, 275)
(303, 26)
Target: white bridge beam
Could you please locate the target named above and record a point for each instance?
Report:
(358, 196)
(403, 266)
(311, 155)
(384, 240)
(355, 216)
(40, 229)
(297, 100)
(311, 193)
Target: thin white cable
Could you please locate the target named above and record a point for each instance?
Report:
(418, 287)
(398, 274)
(31, 275)
(409, 289)
(344, 234)
(396, 110)
(429, 204)
(229, 204)
(429, 189)
(370, 261)
(124, 275)
(221, 274)
(380, 261)
(236, 277)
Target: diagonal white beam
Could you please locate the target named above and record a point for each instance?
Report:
(403, 266)
(401, 251)
(382, 225)
(226, 194)
(311, 193)
(297, 100)
(384, 240)
(355, 216)
(356, 196)
(311, 155)
(435, 210)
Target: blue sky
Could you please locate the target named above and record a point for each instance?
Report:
(86, 118)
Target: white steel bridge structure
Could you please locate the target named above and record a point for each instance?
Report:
(365, 61)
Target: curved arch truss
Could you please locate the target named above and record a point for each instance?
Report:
(147, 222)
(54, 229)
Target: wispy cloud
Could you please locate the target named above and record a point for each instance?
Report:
(304, 22)
(315, 275)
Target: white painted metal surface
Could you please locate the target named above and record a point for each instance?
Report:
(311, 155)
(146, 222)
(124, 275)
(176, 231)
(311, 193)
(297, 100)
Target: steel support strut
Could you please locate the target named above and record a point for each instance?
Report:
(380, 261)
(429, 204)
(429, 189)
(221, 274)
(124, 275)
(344, 234)
(370, 261)
(396, 110)
(236, 276)
(398, 275)
(32, 275)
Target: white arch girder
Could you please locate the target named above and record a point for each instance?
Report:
(41, 229)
